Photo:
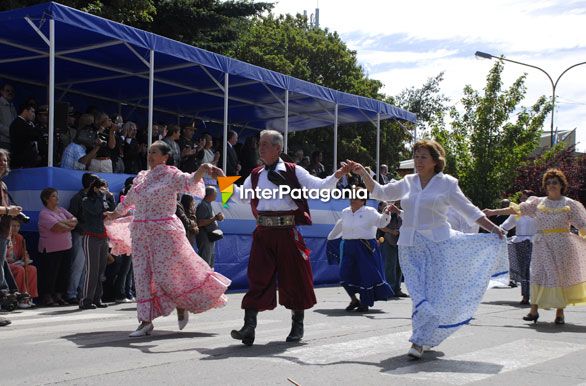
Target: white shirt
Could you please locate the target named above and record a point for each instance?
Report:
(286, 203)
(361, 224)
(526, 228)
(426, 209)
(459, 223)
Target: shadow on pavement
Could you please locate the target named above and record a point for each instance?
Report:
(508, 303)
(62, 312)
(238, 350)
(343, 312)
(550, 327)
(431, 363)
(122, 340)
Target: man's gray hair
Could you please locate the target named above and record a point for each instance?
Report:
(276, 137)
(210, 190)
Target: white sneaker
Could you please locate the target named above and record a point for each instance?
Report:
(142, 330)
(415, 352)
(24, 305)
(122, 300)
(183, 321)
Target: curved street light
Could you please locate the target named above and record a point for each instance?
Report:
(484, 55)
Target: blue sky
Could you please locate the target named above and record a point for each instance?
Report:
(403, 43)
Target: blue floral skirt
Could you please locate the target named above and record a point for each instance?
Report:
(447, 279)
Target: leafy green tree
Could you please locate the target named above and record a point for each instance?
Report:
(492, 137)
(210, 24)
(289, 44)
(428, 103)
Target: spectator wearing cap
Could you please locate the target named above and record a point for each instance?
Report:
(75, 155)
(7, 114)
(24, 139)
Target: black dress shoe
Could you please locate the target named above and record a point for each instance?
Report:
(531, 318)
(401, 294)
(100, 305)
(353, 305)
(362, 308)
(87, 307)
(72, 301)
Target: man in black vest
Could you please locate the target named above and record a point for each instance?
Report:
(278, 249)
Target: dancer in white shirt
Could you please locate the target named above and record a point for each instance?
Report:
(361, 265)
(446, 272)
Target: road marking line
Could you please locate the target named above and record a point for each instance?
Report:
(482, 364)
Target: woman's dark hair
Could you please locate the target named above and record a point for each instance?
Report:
(555, 173)
(7, 155)
(46, 193)
(186, 201)
(165, 149)
(437, 152)
(97, 183)
(172, 130)
(360, 185)
(127, 185)
(315, 155)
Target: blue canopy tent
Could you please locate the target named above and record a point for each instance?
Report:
(90, 56)
(77, 56)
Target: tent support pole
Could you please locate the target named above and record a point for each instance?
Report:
(335, 137)
(225, 142)
(151, 96)
(51, 91)
(377, 145)
(286, 143)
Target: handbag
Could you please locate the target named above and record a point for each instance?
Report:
(215, 235)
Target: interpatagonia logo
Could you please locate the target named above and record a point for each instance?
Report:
(226, 185)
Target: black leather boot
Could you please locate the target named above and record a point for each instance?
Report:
(296, 326)
(246, 333)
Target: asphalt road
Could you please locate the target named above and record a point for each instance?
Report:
(65, 345)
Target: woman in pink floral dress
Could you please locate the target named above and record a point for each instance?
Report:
(168, 273)
(558, 260)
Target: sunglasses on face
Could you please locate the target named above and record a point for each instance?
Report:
(552, 182)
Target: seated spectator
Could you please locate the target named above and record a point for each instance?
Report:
(25, 274)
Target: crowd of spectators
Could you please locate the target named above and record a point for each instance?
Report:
(74, 265)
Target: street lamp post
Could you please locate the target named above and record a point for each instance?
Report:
(484, 55)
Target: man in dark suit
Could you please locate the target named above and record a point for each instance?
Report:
(232, 166)
(24, 138)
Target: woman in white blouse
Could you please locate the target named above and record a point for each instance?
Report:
(446, 272)
(361, 264)
(520, 247)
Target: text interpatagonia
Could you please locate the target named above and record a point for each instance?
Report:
(303, 193)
